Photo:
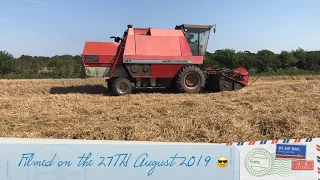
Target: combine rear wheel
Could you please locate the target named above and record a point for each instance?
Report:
(190, 79)
(122, 86)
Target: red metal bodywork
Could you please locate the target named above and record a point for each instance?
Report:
(240, 74)
(147, 57)
(155, 44)
(105, 50)
(145, 45)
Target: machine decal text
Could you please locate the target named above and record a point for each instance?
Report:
(91, 58)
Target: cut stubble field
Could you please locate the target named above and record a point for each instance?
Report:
(271, 108)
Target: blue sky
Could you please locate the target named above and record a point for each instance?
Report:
(50, 27)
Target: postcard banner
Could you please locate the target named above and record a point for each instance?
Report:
(25, 159)
(288, 159)
(39, 159)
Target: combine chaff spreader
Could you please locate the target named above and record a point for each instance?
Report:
(153, 58)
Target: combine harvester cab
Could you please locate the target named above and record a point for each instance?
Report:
(154, 58)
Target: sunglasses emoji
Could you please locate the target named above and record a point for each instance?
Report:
(222, 162)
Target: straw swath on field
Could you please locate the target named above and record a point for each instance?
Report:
(271, 108)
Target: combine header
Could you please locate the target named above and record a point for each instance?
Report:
(153, 58)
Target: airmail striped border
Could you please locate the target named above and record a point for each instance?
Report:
(318, 159)
(264, 142)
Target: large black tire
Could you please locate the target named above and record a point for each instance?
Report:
(122, 86)
(172, 88)
(109, 84)
(184, 80)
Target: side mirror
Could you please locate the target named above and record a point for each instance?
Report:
(116, 39)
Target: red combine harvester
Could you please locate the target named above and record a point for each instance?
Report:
(153, 58)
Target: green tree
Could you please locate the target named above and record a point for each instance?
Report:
(30, 65)
(6, 63)
(287, 60)
(300, 56)
(226, 58)
(266, 60)
(77, 58)
(208, 61)
(64, 66)
(313, 60)
(78, 66)
(246, 59)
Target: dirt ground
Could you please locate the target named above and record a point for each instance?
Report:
(271, 108)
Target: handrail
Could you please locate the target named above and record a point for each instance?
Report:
(113, 69)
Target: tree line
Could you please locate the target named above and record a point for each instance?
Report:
(298, 61)
(265, 61)
(38, 67)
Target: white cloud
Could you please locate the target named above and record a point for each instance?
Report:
(36, 1)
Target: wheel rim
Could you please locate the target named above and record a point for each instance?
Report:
(122, 88)
(192, 80)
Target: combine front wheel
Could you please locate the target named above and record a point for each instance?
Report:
(190, 79)
(122, 86)
(109, 84)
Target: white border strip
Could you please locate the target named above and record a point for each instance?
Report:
(78, 141)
